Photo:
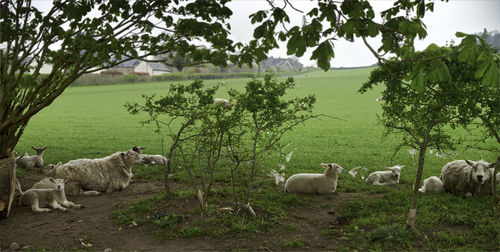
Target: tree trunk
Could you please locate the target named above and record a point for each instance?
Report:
(495, 199)
(413, 207)
(7, 183)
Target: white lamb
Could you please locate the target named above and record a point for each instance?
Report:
(315, 182)
(49, 192)
(467, 178)
(150, 159)
(26, 161)
(51, 183)
(390, 177)
(432, 185)
(224, 102)
(98, 175)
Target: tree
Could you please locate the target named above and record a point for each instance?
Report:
(420, 110)
(79, 37)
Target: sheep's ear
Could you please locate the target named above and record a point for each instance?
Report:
(469, 162)
(388, 168)
(58, 164)
(401, 166)
(122, 153)
(52, 179)
(66, 179)
(324, 165)
(492, 165)
(33, 147)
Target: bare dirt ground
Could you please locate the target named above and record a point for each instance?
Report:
(93, 227)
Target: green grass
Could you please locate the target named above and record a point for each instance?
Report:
(91, 121)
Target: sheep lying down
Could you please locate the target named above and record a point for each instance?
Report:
(432, 185)
(468, 178)
(320, 183)
(390, 177)
(95, 176)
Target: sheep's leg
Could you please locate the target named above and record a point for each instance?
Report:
(92, 193)
(56, 205)
(35, 206)
(68, 203)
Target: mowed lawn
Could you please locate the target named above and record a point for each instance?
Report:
(91, 122)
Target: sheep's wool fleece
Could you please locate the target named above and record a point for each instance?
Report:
(457, 179)
(101, 174)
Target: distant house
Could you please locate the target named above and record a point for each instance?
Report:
(127, 67)
(281, 64)
(45, 69)
(152, 68)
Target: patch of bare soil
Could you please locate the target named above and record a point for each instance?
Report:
(94, 229)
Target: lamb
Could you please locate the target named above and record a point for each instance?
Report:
(224, 102)
(467, 178)
(26, 161)
(390, 177)
(50, 192)
(150, 159)
(98, 175)
(432, 184)
(315, 182)
(51, 183)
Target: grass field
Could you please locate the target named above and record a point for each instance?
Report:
(91, 122)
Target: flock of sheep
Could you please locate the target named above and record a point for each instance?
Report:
(101, 175)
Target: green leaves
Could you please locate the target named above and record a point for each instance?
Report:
(491, 77)
(323, 54)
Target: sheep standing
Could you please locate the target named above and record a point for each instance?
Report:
(26, 161)
(98, 175)
(390, 177)
(51, 194)
(315, 182)
(432, 184)
(467, 178)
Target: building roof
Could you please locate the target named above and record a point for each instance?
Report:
(158, 66)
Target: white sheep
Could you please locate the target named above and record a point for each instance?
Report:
(224, 102)
(50, 193)
(432, 184)
(26, 161)
(106, 174)
(150, 159)
(467, 178)
(51, 183)
(390, 177)
(315, 182)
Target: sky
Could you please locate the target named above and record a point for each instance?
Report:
(468, 16)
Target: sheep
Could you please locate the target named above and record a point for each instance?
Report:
(26, 161)
(390, 177)
(432, 184)
(150, 159)
(51, 183)
(224, 102)
(467, 178)
(51, 193)
(325, 183)
(98, 175)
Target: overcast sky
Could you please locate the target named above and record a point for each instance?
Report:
(469, 16)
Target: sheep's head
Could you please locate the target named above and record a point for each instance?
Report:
(132, 157)
(39, 150)
(50, 167)
(332, 169)
(138, 149)
(58, 183)
(396, 171)
(480, 172)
